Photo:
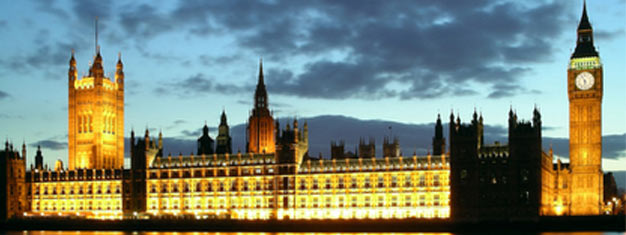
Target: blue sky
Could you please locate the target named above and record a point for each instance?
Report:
(400, 61)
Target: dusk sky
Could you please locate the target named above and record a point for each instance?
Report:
(399, 61)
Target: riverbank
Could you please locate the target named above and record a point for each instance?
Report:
(542, 224)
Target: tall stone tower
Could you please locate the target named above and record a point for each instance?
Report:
(96, 117)
(261, 136)
(584, 89)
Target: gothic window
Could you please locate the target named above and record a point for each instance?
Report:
(302, 202)
(463, 176)
(436, 200)
(524, 175)
(407, 181)
(80, 123)
(328, 183)
(302, 184)
(340, 182)
(381, 181)
(90, 121)
(341, 202)
(381, 201)
(394, 181)
(407, 200)
(367, 182)
(422, 181)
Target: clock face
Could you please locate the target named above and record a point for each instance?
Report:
(584, 81)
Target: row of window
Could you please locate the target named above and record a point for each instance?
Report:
(85, 123)
(79, 205)
(328, 183)
(315, 202)
(53, 190)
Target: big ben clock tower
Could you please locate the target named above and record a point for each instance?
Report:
(584, 89)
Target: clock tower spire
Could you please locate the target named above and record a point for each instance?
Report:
(584, 90)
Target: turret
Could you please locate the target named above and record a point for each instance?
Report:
(223, 137)
(132, 138)
(97, 70)
(24, 150)
(512, 120)
(536, 118)
(439, 143)
(147, 138)
(160, 139)
(205, 142)
(72, 73)
(119, 72)
(39, 159)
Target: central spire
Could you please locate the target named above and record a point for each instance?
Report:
(260, 95)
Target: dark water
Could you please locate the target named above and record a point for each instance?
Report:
(217, 233)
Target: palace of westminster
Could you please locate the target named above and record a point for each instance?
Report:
(276, 179)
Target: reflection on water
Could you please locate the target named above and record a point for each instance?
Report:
(218, 233)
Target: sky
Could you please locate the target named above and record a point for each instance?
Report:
(397, 61)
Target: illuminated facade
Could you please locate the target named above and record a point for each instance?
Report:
(90, 193)
(276, 179)
(282, 186)
(96, 117)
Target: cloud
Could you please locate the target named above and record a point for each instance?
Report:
(603, 35)
(362, 50)
(207, 60)
(200, 84)
(50, 8)
(4, 95)
(192, 133)
(481, 43)
(50, 144)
